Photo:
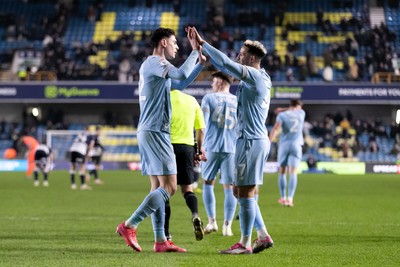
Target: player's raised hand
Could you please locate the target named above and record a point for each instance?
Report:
(192, 38)
(199, 39)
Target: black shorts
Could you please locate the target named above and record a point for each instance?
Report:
(184, 163)
(96, 160)
(77, 157)
(39, 154)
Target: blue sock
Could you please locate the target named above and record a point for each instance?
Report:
(292, 185)
(158, 220)
(150, 204)
(209, 200)
(282, 185)
(230, 203)
(247, 214)
(258, 221)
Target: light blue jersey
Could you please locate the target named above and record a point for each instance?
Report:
(220, 135)
(219, 111)
(292, 123)
(253, 94)
(156, 77)
(291, 138)
(253, 104)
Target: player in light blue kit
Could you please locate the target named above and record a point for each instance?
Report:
(157, 75)
(219, 109)
(291, 121)
(252, 147)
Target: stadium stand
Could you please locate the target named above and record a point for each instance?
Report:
(88, 40)
(325, 140)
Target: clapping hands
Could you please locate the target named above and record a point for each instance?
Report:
(196, 42)
(194, 37)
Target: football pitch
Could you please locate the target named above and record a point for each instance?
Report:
(348, 220)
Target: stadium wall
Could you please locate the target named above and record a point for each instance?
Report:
(339, 168)
(94, 102)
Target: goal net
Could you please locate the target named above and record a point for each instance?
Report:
(120, 145)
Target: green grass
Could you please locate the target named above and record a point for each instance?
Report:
(336, 221)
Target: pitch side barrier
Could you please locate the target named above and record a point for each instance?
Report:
(112, 92)
(340, 168)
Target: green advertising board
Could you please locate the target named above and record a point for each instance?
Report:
(337, 167)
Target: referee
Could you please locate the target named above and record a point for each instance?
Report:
(187, 117)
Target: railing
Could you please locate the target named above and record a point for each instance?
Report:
(8, 76)
(387, 77)
(42, 76)
(37, 76)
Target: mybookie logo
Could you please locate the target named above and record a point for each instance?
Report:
(52, 91)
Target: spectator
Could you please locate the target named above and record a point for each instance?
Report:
(345, 148)
(353, 73)
(377, 42)
(396, 150)
(320, 17)
(327, 73)
(124, 70)
(91, 14)
(345, 127)
(289, 75)
(373, 145)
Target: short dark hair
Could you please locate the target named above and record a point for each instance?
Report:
(223, 76)
(159, 34)
(296, 102)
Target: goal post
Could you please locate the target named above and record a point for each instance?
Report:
(120, 146)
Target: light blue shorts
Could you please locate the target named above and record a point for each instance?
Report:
(289, 155)
(250, 158)
(156, 153)
(222, 162)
